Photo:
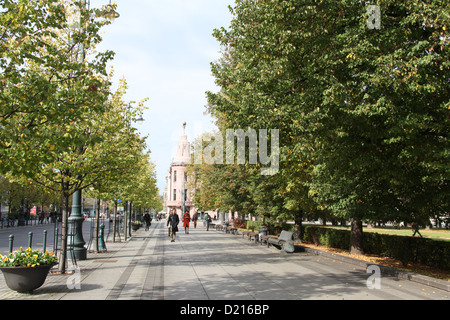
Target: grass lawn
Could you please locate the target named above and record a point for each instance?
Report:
(438, 234)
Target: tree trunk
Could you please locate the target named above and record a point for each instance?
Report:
(64, 227)
(129, 217)
(97, 222)
(298, 226)
(114, 221)
(356, 237)
(125, 221)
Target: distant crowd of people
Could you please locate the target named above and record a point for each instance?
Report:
(173, 220)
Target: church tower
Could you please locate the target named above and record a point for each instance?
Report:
(183, 155)
(179, 195)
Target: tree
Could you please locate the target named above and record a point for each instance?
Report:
(119, 149)
(384, 113)
(362, 113)
(142, 188)
(262, 87)
(55, 108)
(220, 186)
(44, 83)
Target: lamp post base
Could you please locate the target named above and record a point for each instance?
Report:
(76, 220)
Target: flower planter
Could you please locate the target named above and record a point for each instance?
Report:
(25, 279)
(135, 227)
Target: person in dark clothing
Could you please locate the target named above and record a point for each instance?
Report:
(173, 221)
(415, 227)
(147, 220)
(207, 221)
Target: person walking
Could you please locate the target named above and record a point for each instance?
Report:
(207, 221)
(167, 219)
(147, 220)
(173, 222)
(186, 221)
(415, 228)
(195, 218)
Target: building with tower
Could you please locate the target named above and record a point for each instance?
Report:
(177, 193)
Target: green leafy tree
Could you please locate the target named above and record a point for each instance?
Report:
(119, 149)
(55, 112)
(364, 112)
(45, 83)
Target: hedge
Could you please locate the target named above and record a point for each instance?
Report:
(428, 252)
(253, 225)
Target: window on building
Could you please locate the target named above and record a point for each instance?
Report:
(174, 194)
(175, 176)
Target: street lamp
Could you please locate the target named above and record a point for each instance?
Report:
(76, 218)
(109, 12)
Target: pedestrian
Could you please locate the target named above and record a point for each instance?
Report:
(207, 221)
(147, 220)
(186, 221)
(168, 217)
(415, 227)
(194, 218)
(173, 222)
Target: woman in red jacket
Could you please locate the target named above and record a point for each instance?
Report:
(186, 220)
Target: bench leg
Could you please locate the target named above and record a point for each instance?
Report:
(288, 247)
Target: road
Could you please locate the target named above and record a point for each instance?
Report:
(21, 235)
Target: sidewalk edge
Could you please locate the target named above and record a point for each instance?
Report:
(405, 275)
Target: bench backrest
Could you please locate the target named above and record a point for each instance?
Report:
(285, 235)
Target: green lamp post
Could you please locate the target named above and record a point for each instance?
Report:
(76, 218)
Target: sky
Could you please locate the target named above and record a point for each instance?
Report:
(164, 50)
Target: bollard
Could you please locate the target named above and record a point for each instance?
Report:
(30, 239)
(101, 241)
(11, 242)
(55, 241)
(45, 241)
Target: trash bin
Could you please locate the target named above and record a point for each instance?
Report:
(263, 230)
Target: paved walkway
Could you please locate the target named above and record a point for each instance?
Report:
(213, 265)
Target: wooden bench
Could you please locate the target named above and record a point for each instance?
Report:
(265, 239)
(250, 235)
(232, 230)
(244, 233)
(284, 241)
(254, 235)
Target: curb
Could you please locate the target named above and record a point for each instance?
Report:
(400, 274)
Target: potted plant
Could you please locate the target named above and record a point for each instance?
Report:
(135, 225)
(26, 270)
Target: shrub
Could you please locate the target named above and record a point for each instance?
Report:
(429, 252)
(239, 223)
